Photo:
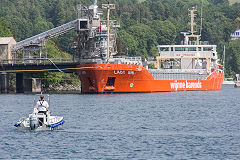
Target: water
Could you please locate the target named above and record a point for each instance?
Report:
(170, 125)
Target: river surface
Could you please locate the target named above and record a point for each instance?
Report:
(198, 125)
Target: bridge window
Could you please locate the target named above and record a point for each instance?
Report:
(207, 48)
(178, 48)
(164, 48)
(185, 48)
(192, 49)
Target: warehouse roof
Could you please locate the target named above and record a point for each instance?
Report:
(6, 40)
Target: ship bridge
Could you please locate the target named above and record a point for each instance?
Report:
(179, 51)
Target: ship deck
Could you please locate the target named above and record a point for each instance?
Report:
(179, 74)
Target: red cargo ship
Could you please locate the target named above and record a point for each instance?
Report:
(124, 78)
(185, 67)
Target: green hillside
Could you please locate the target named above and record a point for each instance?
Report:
(143, 25)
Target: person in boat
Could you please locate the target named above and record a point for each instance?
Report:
(42, 105)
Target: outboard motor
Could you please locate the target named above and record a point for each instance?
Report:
(34, 121)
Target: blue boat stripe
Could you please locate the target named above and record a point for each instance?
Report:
(56, 124)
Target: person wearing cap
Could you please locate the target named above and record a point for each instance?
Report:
(42, 105)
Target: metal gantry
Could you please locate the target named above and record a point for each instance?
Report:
(42, 37)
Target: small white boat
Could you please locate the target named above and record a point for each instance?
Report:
(39, 121)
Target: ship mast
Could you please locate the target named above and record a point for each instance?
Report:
(192, 16)
(108, 7)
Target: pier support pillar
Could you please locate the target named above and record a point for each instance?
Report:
(4, 83)
(19, 83)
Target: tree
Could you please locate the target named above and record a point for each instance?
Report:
(21, 28)
(129, 42)
(158, 10)
(4, 28)
(59, 14)
(165, 31)
(126, 20)
(145, 37)
(41, 26)
(233, 57)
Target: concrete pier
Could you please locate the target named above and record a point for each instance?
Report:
(4, 83)
(19, 83)
(32, 85)
(27, 85)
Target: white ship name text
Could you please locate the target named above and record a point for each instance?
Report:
(119, 72)
(185, 85)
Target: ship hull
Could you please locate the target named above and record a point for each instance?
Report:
(124, 78)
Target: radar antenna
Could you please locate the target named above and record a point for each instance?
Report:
(192, 16)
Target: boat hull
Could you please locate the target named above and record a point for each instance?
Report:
(56, 123)
(125, 78)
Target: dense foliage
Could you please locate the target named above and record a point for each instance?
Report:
(4, 28)
(144, 24)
